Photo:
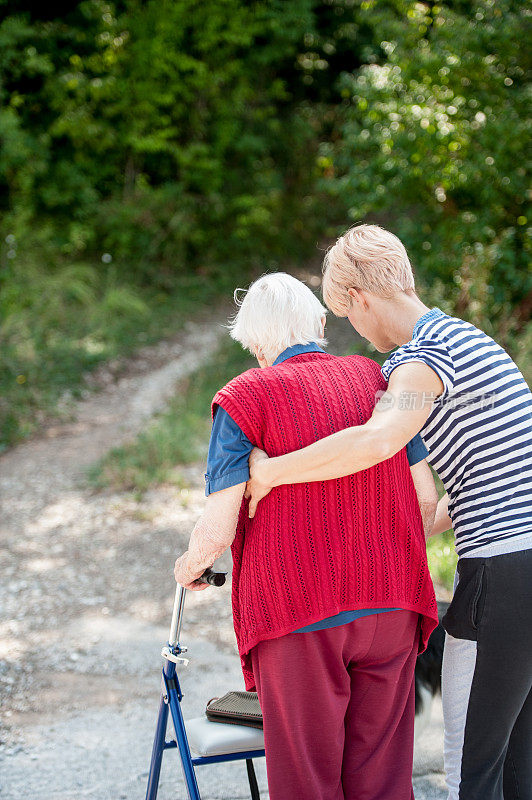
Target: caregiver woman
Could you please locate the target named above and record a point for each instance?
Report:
(332, 598)
(455, 385)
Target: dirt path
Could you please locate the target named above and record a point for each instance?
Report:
(86, 598)
(69, 554)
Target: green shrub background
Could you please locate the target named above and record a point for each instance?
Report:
(156, 153)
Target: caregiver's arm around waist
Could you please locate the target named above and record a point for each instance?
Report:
(397, 417)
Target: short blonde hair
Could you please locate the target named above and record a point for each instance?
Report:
(367, 257)
(276, 312)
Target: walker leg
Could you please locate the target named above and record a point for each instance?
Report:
(157, 752)
(252, 778)
(174, 696)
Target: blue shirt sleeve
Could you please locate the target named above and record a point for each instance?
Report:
(229, 449)
(416, 450)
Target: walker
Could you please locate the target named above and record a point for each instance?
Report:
(211, 742)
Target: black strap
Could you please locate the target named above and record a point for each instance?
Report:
(252, 778)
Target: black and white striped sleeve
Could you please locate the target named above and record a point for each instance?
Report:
(429, 351)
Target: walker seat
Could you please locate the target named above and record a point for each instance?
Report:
(208, 738)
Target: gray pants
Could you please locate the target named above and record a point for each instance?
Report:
(487, 680)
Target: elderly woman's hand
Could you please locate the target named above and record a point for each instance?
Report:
(257, 487)
(187, 576)
(213, 533)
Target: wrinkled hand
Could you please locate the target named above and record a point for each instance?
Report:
(186, 576)
(256, 487)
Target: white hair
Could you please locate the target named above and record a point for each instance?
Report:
(276, 312)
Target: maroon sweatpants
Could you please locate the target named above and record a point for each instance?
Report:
(338, 708)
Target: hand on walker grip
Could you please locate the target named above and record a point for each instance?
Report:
(186, 577)
(256, 487)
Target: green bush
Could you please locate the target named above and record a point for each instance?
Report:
(168, 137)
(430, 140)
(442, 559)
(56, 324)
(156, 154)
(152, 157)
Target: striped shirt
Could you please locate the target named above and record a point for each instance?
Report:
(479, 433)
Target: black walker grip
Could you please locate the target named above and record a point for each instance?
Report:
(212, 578)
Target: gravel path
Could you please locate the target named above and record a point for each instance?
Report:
(86, 599)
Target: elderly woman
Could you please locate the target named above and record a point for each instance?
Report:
(462, 391)
(332, 598)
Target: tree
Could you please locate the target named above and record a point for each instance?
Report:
(432, 136)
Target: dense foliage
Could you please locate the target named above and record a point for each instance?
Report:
(155, 152)
(157, 133)
(434, 136)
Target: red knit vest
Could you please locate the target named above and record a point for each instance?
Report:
(319, 548)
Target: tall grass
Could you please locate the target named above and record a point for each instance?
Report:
(58, 325)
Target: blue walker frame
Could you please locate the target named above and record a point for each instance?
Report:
(171, 702)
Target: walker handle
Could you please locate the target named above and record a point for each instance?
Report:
(210, 577)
